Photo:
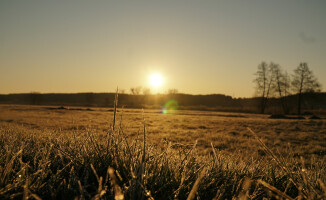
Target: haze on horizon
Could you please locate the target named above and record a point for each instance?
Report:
(198, 47)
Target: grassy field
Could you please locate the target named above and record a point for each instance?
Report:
(66, 153)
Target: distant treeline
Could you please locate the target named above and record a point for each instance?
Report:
(311, 101)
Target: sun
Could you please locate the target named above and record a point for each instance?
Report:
(155, 80)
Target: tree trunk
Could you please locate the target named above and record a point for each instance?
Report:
(299, 104)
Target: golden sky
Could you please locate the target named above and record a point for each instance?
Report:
(198, 47)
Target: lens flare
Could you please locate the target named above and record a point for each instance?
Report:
(170, 107)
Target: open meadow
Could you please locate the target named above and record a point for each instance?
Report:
(159, 100)
(53, 152)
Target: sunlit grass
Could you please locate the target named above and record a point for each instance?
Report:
(87, 162)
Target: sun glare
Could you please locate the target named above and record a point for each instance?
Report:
(156, 80)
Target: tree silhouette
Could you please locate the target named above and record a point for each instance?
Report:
(136, 91)
(173, 91)
(304, 81)
(281, 86)
(263, 82)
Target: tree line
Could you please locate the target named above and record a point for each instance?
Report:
(147, 91)
(272, 81)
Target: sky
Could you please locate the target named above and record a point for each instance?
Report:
(198, 47)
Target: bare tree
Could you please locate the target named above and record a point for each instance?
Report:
(173, 91)
(132, 91)
(263, 82)
(281, 86)
(304, 81)
(138, 90)
(135, 91)
(286, 84)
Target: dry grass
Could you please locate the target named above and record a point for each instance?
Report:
(54, 153)
(227, 131)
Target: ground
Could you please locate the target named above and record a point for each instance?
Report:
(228, 132)
(54, 152)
